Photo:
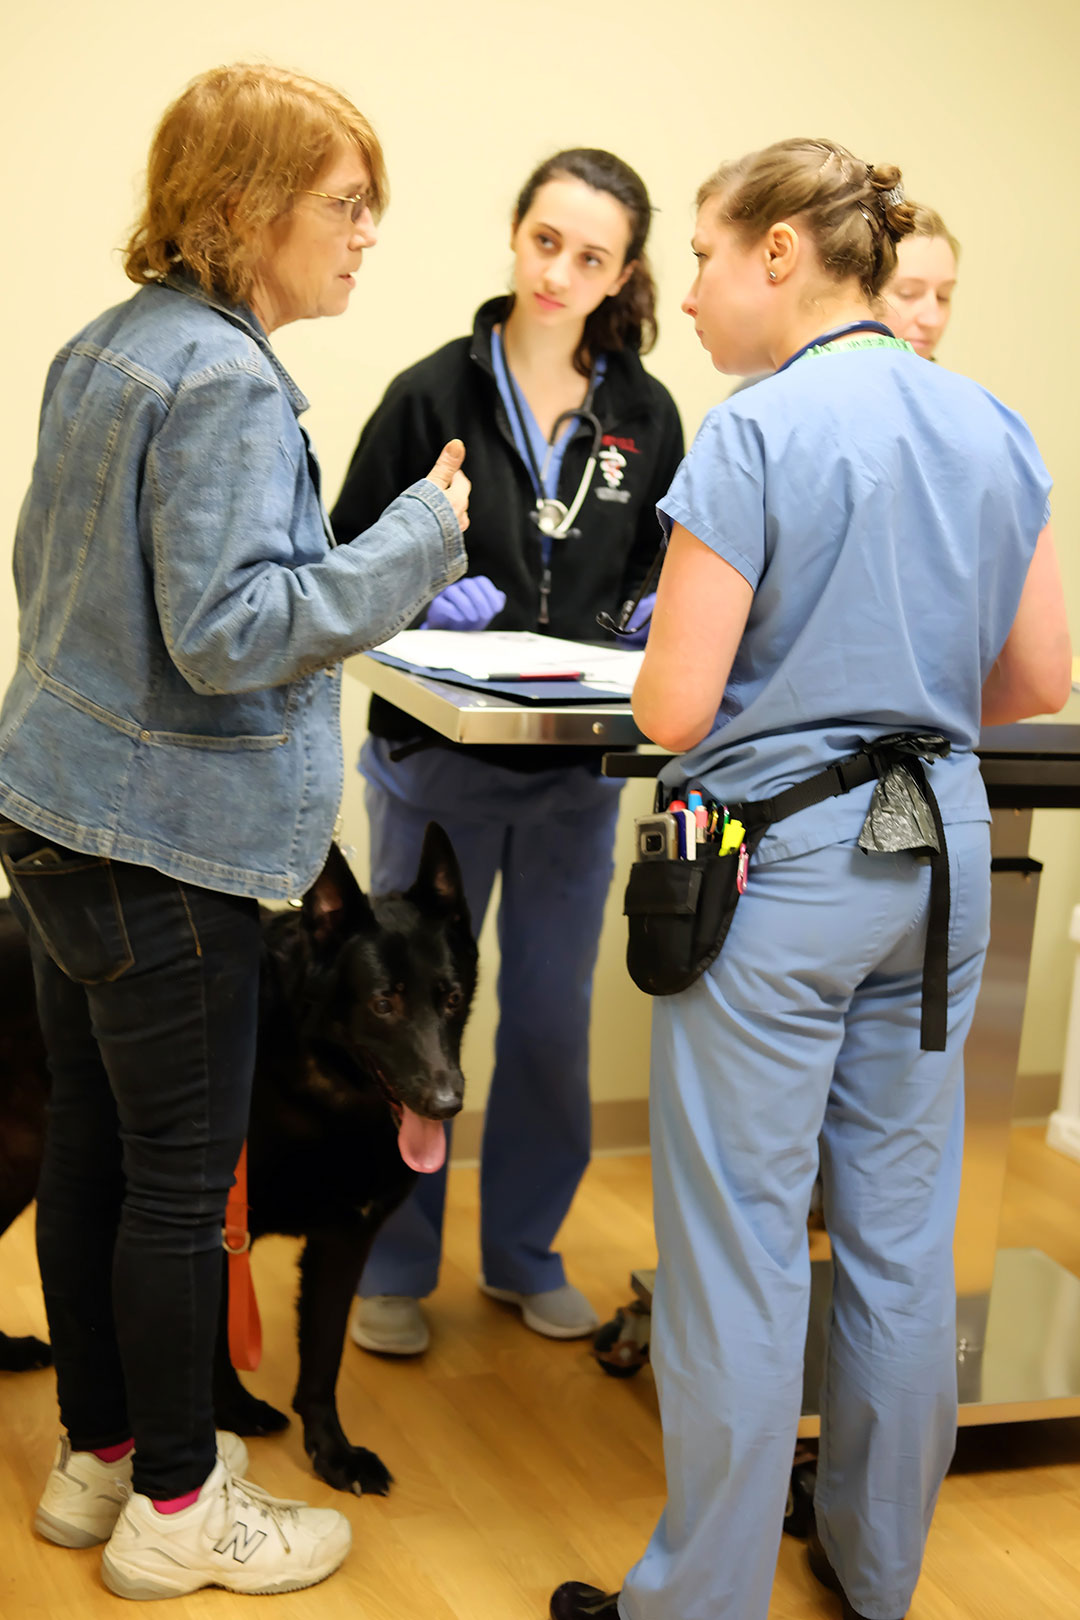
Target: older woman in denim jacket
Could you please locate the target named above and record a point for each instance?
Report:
(169, 752)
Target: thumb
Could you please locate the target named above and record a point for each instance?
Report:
(450, 459)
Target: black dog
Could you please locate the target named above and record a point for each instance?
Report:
(363, 1005)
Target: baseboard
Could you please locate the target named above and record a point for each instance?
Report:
(1035, 1097)
(617, 1127)
(1063, 1134)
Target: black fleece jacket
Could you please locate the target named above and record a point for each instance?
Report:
(453, 394)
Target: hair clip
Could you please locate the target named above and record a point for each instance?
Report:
(893, 198)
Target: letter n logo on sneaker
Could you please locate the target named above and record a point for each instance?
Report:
(241, 1541)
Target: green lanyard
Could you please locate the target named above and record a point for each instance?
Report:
(867, 334)
(870, 341)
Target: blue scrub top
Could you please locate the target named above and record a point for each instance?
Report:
(885, 512)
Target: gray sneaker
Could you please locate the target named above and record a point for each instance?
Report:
(559, 1313)
(391, 1324)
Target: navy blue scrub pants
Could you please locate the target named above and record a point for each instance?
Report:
(807, 1027)
(550, 835)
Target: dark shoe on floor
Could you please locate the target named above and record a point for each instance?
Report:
(823, 1571)
(573, 1601)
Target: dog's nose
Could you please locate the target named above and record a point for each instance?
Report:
(444, 1096)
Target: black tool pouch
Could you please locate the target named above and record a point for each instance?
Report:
(680, 911)
(679, 914)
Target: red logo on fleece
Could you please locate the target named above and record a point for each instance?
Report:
(621, 444)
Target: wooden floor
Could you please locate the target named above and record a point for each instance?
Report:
(519, 1464)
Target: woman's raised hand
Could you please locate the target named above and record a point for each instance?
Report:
(448, 475)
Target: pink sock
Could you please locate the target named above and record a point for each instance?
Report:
(176, 1504)
(109, 1454)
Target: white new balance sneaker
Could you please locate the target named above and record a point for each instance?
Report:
(83, 1496)
(234, 1535)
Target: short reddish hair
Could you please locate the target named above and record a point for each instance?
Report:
(228, 158)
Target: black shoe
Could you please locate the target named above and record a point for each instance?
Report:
(573, 1601)
(823, 1571)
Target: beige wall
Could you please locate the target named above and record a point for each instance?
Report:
(975, 98)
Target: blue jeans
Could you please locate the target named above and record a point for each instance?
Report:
(147, 992)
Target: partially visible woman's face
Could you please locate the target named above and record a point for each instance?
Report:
(727, 301)
(569, 252)
(310, 257)
(918, 298)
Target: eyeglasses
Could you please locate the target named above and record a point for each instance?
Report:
(360, 202)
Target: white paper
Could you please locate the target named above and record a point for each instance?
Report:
(486, 654)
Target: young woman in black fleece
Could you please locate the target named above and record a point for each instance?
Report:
(567, 339)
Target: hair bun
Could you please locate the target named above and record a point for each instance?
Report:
(897, 213)
(850, 209)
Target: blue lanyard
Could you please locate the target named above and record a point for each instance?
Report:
(831, 337)
(552, 517)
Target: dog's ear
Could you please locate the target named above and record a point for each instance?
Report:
(438, 885)
(335, 906)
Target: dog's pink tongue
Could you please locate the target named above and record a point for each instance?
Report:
(421, 1142)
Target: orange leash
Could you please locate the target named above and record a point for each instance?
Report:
(245, 1329)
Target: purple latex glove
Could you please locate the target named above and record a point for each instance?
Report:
(468, 604)
(637, 631)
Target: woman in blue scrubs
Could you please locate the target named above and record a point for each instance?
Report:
(858, 547)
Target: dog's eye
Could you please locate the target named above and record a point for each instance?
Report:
(382, 1005)
(454, 998)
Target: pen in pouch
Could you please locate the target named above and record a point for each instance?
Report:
(684, 820)
(680, 835)
(674, 806)
(696, 805)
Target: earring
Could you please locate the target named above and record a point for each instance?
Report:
(772, 275)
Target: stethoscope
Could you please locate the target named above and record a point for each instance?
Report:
(552, 517)
(834, 336)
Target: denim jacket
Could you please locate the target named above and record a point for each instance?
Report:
(183, 608)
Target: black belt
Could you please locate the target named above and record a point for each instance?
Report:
(854, 771)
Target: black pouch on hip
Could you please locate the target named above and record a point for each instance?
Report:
(679, 913)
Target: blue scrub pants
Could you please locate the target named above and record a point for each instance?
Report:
(550, 834)
(807, 1026)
